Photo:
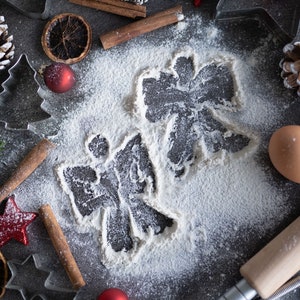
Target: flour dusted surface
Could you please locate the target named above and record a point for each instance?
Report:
(219, 193)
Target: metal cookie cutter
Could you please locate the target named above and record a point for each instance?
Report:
(282, 17)
(25, 7)
(33, 280)
(18, 108)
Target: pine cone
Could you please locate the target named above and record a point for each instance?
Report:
(6, 46)
(291, 66)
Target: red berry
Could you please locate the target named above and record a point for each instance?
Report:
(113, 294)
(59, 77)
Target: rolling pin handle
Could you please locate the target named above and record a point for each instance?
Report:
(241, 291)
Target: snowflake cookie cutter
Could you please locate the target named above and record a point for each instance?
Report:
(25, 8)
(18, 109)
(32, 279)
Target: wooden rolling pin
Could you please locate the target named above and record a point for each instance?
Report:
(276, 263)
(27, 166)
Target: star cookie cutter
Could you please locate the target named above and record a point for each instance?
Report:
(281, 17)
(32, 280)
(25, 8)
(18, 109)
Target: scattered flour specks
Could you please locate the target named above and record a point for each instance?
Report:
(227, 191)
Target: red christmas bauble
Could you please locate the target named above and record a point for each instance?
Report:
(113, 294)
(59, 77)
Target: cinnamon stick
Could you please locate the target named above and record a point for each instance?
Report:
(27, 166)
(61, 246)
(127, 32)
(117, 7)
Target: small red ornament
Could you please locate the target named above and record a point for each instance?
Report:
(13, 223)
(59, 77)
(113, 294)
(197, 3)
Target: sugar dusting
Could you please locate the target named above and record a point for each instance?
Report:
(228, 192)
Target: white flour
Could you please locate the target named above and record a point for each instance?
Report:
(221, 194)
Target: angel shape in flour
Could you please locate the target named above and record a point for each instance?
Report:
(118, 188)
(187, 102)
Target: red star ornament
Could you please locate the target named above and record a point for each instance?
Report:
(13, 223)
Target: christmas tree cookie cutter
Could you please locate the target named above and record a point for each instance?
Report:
(21, 103)
(33, 280)
(25, 8)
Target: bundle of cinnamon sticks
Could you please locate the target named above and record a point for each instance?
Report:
(132, 10)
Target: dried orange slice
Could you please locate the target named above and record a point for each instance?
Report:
(67, 38)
